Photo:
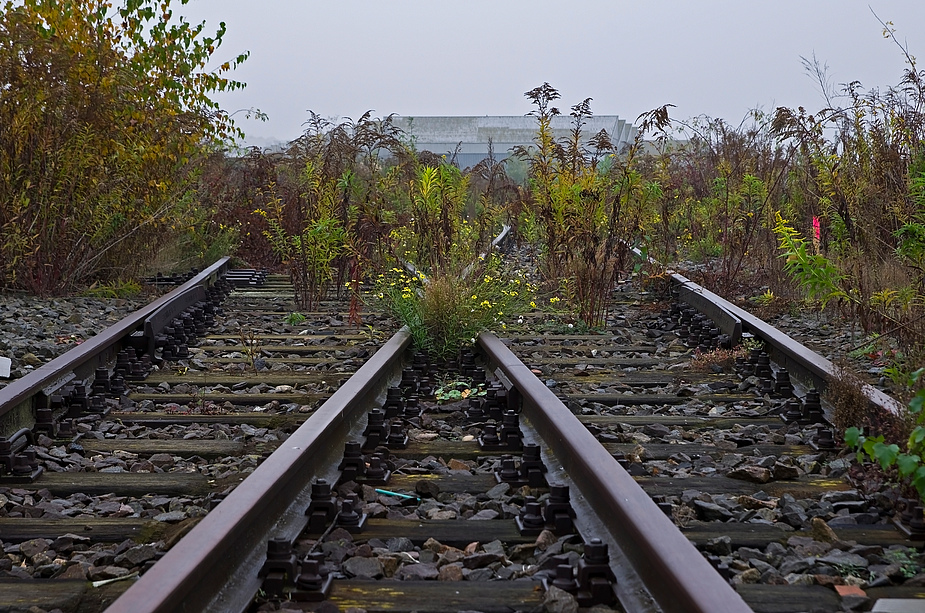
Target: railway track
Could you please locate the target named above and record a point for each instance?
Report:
(745, 465)
(573, 470)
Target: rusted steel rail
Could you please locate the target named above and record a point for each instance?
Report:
(215, 567)
(798, 359)
(19, 399)
(801, 361)
(676, 575)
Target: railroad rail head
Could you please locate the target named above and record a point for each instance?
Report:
(801, 361)
(19, 399)
(215, 567)
(798, 359)
(674, 572)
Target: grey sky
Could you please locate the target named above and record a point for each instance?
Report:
(411, 57)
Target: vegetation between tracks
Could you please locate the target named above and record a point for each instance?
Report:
(826, 207)
(105, 114)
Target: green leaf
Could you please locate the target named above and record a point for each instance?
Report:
(853, 437)
(915, 405)
(908, 464)
(916, 374)
(870, 443)
(918, 481)
(917, 437)
(885, 454)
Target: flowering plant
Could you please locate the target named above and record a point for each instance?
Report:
(446, 311)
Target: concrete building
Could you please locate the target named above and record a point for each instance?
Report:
(442, 135)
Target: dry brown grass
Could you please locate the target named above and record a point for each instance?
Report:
(724, 358)
(843, 391)
(851, 407)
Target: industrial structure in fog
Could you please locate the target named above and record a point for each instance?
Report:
(442, 135)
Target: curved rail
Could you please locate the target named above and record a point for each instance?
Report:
(676, 575)
(797, 358)
(17, 398)
(214, 568)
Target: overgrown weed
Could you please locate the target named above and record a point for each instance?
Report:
(446, 312)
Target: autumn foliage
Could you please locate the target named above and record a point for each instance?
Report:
(104, 116)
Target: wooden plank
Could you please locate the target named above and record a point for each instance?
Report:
(604, 421)
(298, 349)
(123, 484)
(544, 338)
(258, 420)
(657, 399)
(805, 487)
(323, 317)
(437, 596)
(789, 598)
(654, 451)
(526, 350)
(657, 378)
(661, 451)
(759, 535)
(97, 529)
(222, 397)
(898, 591)
(282, 337)
(204, 448)
(293, 378)
(446, 450)
(532, 362)
(284, 360)
(456, 533)
(63, 594)
(456, 484)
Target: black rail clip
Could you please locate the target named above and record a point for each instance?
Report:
(592, 582)
(596, 581)
(531, 470)
(559, 514)
(323, 508)
(284, 575)
(348, 518)
(353, 465)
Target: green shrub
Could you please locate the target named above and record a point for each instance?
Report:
(104, 115)
(910, 462)
(446, 312)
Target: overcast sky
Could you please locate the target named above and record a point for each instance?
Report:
(412, 57)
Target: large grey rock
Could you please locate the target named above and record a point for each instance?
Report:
(136, 556)
(709, 511)
(752, 474)
(795, 565)
(399, 543)
(34, 547)
(498, 491)
(97, 573)
(364, 568)
(836, 557)
(721, 546)
(170, 517)
(450, 572)
(418, 572)
(481, 560)
(479, 574)
(559, 601)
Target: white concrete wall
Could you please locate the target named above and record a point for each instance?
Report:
(443, 134)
